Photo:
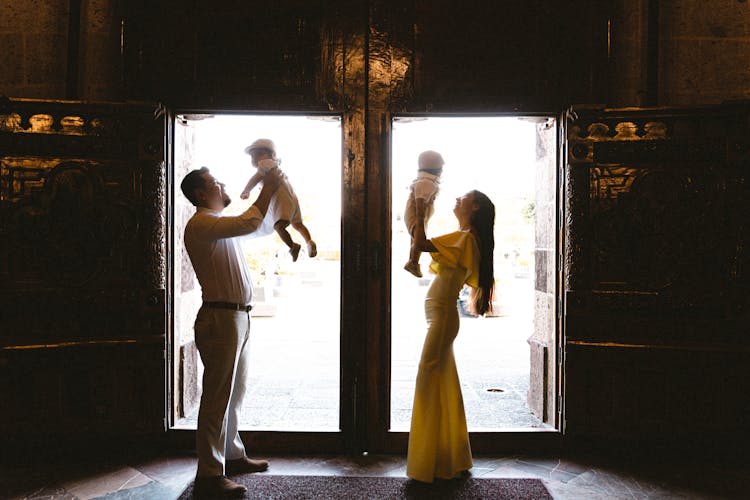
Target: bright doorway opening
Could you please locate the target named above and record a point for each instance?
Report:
(506, 362)
(295, 328)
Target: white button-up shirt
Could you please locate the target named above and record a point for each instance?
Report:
(216, 253)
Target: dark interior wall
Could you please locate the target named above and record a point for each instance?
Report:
(34, 38)
(492, 52)
(435, 55)
(704, 52)
(367, 60)
(439, 55)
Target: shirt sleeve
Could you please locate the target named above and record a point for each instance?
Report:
(216, 227)
(457, 249)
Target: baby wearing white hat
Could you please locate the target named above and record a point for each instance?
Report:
(284, 207)
(422, 193)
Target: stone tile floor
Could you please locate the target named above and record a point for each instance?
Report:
(164, 477)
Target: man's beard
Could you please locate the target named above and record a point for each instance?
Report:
(227, 201)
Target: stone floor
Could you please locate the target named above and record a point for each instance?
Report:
(164, 477)
(503, 364)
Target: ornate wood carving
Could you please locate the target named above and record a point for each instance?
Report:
(664, 209)
(656, 270)
(82, 266)
(82, 227)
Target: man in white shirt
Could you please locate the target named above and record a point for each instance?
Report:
(222, 327)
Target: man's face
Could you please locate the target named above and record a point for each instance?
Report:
(213, 195)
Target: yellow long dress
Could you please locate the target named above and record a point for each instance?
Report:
(439, 439)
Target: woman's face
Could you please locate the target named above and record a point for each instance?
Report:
(465, 206)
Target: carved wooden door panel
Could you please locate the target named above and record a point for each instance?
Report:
(656, 275)
(82, 267)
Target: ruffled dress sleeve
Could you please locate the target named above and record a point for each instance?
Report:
(457, 249)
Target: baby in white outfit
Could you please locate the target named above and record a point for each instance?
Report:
(422, 194)
(283, 209)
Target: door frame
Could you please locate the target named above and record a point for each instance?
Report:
(365, 286)
(378, 438)
(261, 440)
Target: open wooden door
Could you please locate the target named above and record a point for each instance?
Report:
(656, 281)
(82, 269)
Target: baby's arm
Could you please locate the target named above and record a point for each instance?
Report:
(254, 180)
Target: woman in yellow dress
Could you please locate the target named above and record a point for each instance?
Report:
(439, 439)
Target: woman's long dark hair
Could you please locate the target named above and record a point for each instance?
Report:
(483, 222)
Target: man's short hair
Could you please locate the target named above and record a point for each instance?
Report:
(193, 181)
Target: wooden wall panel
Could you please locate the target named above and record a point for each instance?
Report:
(82, 266)
(656, 271)
(229, 54)
(469, 57)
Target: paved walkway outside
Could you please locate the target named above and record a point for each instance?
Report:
(295, 355)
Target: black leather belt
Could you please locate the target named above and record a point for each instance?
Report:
(228, 305)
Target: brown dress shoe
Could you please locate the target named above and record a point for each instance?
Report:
(217, 487)
(244, 464)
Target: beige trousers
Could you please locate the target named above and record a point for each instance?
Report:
(221, 336)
